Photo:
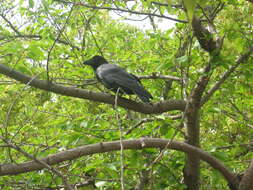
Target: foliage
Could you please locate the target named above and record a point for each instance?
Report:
(58, 36)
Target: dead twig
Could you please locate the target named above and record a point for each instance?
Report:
(121, 141)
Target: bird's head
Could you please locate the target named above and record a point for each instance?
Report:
(95, 61)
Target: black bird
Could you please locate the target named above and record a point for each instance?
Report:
(114, 77)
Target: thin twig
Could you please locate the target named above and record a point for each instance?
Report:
(248, 146)
(225, 75)
(10, 24)
(9, 112)
(37, 37)
(245, 117)
(15, 100)
(94, 38)
(204, 13)
(7, 82)
(121, 143)
(217, 10)
(146, 120)
(180, 6)
(44, 164)
(159, 157)
(57, 39)
(235, 118)
(158, 76)
(121, 10)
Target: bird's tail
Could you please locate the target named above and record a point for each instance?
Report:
(145, 97)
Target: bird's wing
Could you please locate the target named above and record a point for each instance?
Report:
(114, 76)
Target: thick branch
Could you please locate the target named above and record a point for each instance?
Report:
(199, 89)
(205, 38)
(11, 169)
(191, 170)
(146, 108)
(247, 179)
(121, 10)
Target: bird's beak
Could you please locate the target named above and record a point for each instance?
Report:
(88, 62)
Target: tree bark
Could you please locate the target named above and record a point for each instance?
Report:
(192, 109)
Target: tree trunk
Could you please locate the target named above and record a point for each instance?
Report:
(191, 169)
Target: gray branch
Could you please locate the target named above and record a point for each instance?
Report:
(11, 169)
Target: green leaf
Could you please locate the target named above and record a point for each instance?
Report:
(190, 5)
(164, 129)
(202, 3)
(35, 52)
(31, 3)
(219, 155)
(170, 132)
(45, 5)
(23, 69)
(183, 60)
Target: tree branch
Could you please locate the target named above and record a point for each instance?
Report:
(39, 162)
(178, 6)
(247, 179)
(191, 114)
(158, 76)
(38, 37)
(13, 169)
(60, 31)
(10, 24)
(146, 108)
(144, 179)
(121, 10)
(205, 37)
(243, 58)
(31, 36)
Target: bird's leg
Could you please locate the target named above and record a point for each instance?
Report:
(87, 82)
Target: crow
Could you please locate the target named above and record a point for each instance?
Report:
(114, 77)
